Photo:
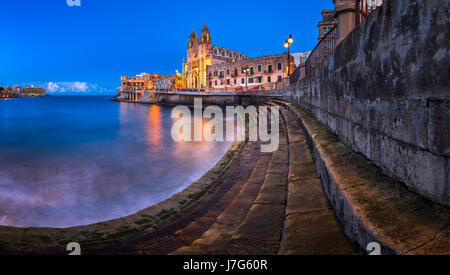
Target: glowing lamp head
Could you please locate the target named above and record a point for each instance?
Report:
(290, 40)
(286, 44)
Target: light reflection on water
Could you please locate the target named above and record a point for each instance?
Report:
(67, 161)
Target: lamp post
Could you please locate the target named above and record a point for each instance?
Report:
(287, 44)
(246, 70)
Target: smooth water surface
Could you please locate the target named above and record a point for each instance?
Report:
(76, 160)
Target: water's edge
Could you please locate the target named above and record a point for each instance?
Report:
(145, 219)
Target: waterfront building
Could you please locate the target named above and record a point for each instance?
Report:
(149, 82)
(165, 83)
(212, 68)
(10, 92)
(6, 92)
(16, 90)
(202, 53)
(180, 81)
(253, 74)
(3, 93)
(134, 87)
(140, 82)
(32, 91)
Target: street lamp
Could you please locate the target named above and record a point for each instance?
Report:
(246, 70)
(287, 44)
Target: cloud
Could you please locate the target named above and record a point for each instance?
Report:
(52, 87)
(76, 87)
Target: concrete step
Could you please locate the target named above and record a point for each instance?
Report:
(224, 234)
(371, 206)
(218, 235)
(260, 231)
(310, 226)
(186, 235)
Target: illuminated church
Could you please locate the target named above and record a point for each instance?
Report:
(201, 53)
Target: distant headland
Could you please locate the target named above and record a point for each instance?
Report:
(16, 91)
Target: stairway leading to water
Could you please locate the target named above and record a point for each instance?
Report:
(265, 204)
(256, 203)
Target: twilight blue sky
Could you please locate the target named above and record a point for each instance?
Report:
(85, 50)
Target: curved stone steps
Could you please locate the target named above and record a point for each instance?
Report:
(289, 215)
(310, 226)
(207, 213)
(371, 206)
(264, 204)
(246, 220)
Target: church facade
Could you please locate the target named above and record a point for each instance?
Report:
(202, 53)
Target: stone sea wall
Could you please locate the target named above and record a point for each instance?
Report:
(385, 92)
(217, 99)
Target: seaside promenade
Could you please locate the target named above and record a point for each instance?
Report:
(312, 196)
(363, 158)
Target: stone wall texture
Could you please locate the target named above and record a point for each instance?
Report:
(218, 99)
(385, 92)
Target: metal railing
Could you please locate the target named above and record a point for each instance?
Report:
(366, 7)
(329, 42)
(295, 76)
(325, 47)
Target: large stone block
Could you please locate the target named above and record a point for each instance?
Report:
(420, 170)
(361, 140)
(439, 127)
(405, 120)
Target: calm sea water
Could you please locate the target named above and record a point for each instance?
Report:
(67, 161)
